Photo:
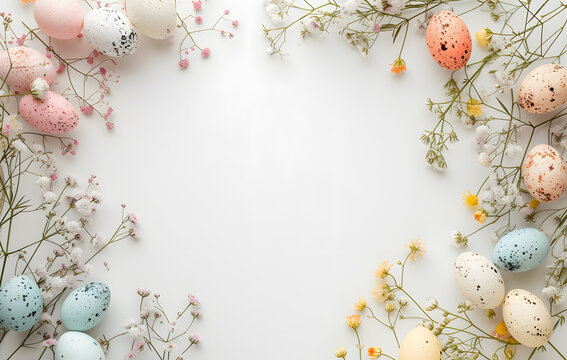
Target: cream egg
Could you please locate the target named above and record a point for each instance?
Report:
(21, 65)
(60, 19)
(154, 18)
(544, 173)
(449, 40)
(527, 318)
(110, 32)
(544, 89)
(420, 343)
(479, 280)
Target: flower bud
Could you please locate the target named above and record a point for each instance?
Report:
(39, 88)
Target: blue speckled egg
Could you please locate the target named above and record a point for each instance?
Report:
(521, 250)
(21, 304)
(74, 345)
(85, 306)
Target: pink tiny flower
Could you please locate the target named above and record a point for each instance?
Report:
(54, 176)
(90, 60)
(6, 129)
(48, 54)
(49, 343)
(102, 71)
(95, 53)
(199, 20)
(21, 40)
(108, 113)
(143, 292)
(80, 35)
(73, 152)
(235, 23)
(133, 218)
(87, 110)
(223, 32)
(61, 68)
(197, 5)
(206, 52)
(76, 142)
(109, 125)
(226, 12)
(184, 63)
(376, 28)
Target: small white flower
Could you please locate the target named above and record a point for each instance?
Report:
(43, 181)
(312, 25)
(549, 292)
(482, 133)
(76, 256)
(16, 126)
(49, 197)
(97, 240)
(41, 271)
(39, 88)
(20, 146)
(136, 332)
(169, 347)
(512, 150)
(484, 159)
(395, 7)
(526, 212)
(350, 6)
(84, 206)
(96, 196)
(73, 227)
(45, 317)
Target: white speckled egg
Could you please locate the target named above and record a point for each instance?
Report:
(85, 307)
(527, 318)
(27, 65)
(420, 343)
(60, 19)
(449, 40)
(52, 115)
(110, 32)
(153, 18)
(543, 89)
(521, 250)
(479, 280)
(544, 173)
(21, 304)
(74, 345)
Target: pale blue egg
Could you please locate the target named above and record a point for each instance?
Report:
(74, 345)
(521, 250)
(85, 306)
(21, 304)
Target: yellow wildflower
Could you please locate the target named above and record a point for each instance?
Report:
(353, 321)
(501, 331)
(383, 270)
(470, 200)
(27, 1)
(340, 352)
(398, 66)
(480, 216)
(474, 108)
(534, 203)
(374, 352)
(381, 292)
(483, 36)
(360, 304)
(416, 248)
(390, 306)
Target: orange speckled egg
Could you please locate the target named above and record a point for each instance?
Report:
(52, 115)
(544, 89)
(449, 40)
(544, 173)
(23, 65)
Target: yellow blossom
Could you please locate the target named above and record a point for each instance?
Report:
(390, 306)
(480, 216)
(374, 352)
(534, 203)
(383, 270)
(360, 304)
(483, 36)
(382, 292)
(398, 66)
(27, 1)
(416, 248)
(353, 321)
(474, 108)
(470, 200)
(340, 352)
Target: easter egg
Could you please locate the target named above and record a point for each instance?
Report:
(521, 250)
(21, 65)
(85, 307)
(74, 345)
(60, 19)
(448, 40)
(110, 32)
(544, 173)
(52, 115)
(479, 280)
(544, 89)
(154, 18)
(527, 318)
(21, 304)
(420, 343)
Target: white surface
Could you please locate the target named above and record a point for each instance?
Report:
(272, 188)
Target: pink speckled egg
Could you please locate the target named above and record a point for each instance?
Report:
(449, 40)
(52, 115)
(60, 19)
(545, 173)
(544, 89)
(26, 66)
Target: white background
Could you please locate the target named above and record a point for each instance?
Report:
(272, 188)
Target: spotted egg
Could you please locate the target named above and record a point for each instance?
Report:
(21, 304)
(60, 19)
(52, 115)
(21, 65)
(154, 18)
(521, 250)
(420, 343)
(74, 345)
(527, 318)
(544, 89)
(448, 40)
(110, 32)
(544, 173)
(479, 280)
(85, 307)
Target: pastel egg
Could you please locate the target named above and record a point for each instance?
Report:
(74, 345)
(527, 318)
(21, 304)
(110, 32)
(420, 343)
(154, 18)
(60, 19)
(479, 280)
(52, 115)
(521, 250)
(544, 89)
(85, 307)
(448, 40)
(544, 173)
(26, 66)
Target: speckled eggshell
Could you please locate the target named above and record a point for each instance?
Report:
(420, 343)
(521, 250)
(27, 65)
(60, 19)
(52, 115)
(154, 18)
(479, 280)
(527, 318)
(85, 307)
(544, 173)
(74, 345)
(448, 40)
(110, 32)
(544, 89)
(21, 304)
